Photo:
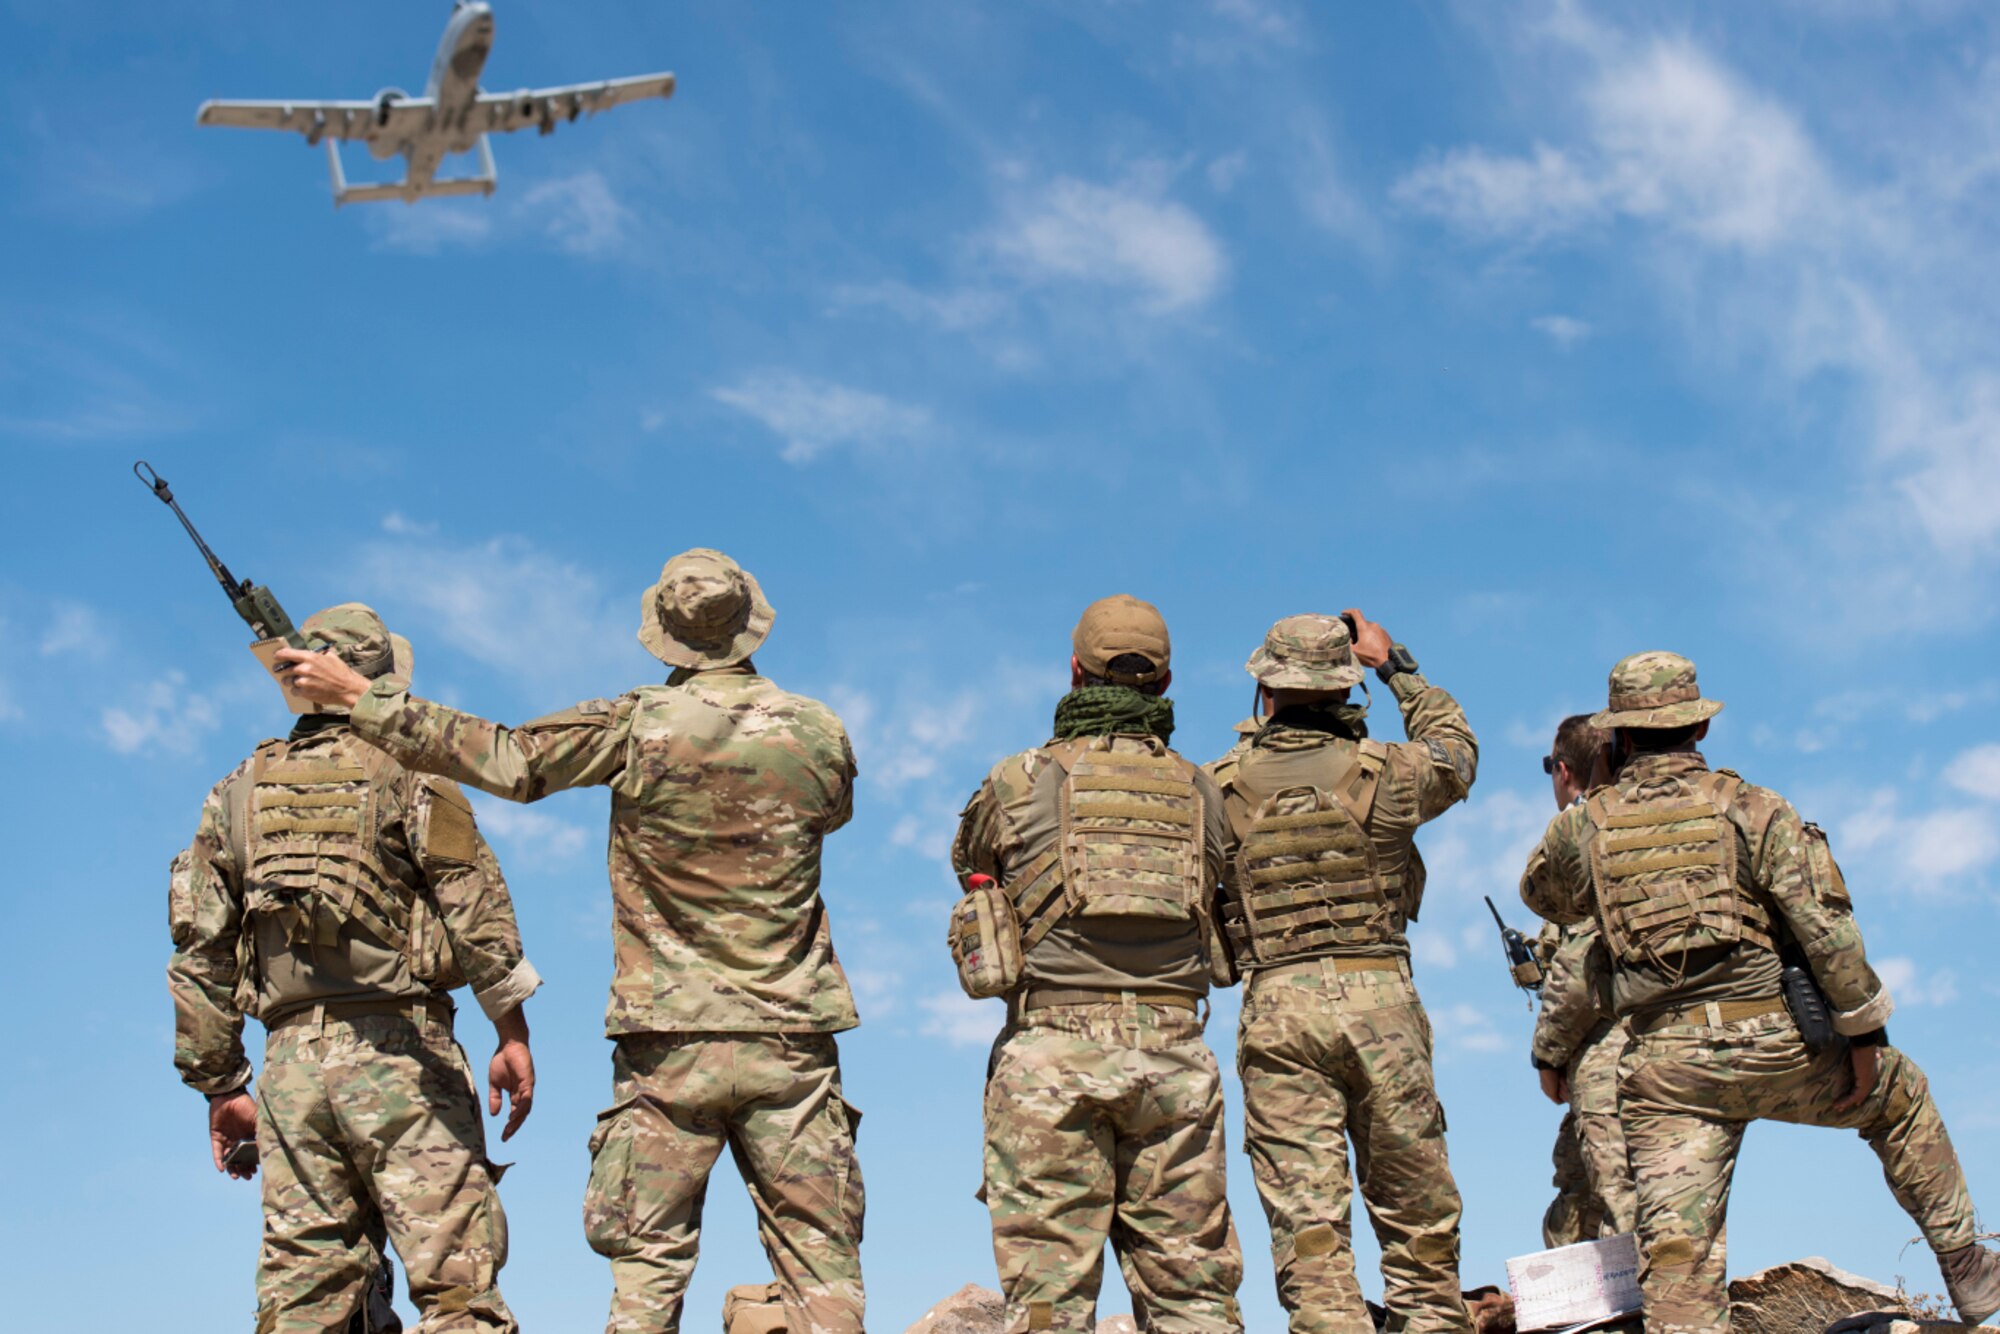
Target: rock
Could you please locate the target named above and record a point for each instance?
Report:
(976, 1310)
(1807, 1296)
(970, 1310)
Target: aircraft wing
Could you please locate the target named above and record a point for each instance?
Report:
(543, 107)
(316, 120)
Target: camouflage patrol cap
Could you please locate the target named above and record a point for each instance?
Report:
(358, 638)
(1654, 690)
(706, 611)
(1120, 624)
(1306, 653)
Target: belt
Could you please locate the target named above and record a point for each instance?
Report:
(1041, 998)
(1341, 963)
(413, 1009)
(1712, 1014)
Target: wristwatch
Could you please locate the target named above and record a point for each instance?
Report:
(1399, 662)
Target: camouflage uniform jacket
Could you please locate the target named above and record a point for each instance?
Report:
(1016, 816)
(228, 964)
(723, 788)
(1773, 863)
(1422, 779)
(1576, 994)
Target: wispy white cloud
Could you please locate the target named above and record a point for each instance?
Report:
(1770, 250)
(75, 629)
(92, 377)
(959, 1020)
(1128, 237)
(161, 715)
(813, 416)
(528, 834)
(1913, 985)
(534, 616)
(580, 214)
(1976, 771)
(1937, 849)
(1565, 331)
(1462, 1027)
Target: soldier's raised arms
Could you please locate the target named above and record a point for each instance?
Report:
(726, 992)
(338, 898)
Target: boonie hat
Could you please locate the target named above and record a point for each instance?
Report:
(705, 611)
(1308, 652)
(358, 638)
(1117, 625)
(1654, 690)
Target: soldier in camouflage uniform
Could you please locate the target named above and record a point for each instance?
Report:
(1578, 1041)
(337, 897)
(1697, 882)
(726, 993)
(1334, 1046)
(1103, 1103)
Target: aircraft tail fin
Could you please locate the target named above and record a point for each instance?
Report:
(482, 183)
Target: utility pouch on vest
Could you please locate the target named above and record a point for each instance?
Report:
(985, 940)
(754, 1308)
(1132, 830)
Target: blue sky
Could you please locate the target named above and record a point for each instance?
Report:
(1542, 332)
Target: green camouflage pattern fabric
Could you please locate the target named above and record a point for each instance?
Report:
(1331, 1058)
(1576, 1034)
(375, 1112)
(1421, 779)
(227, 964)
(1104, 1123)
(1773, 861)
(775, 1101)
(723, 788)
(1654, 690)
(1689, 1092)
(356, 634)
(1016, 817)
(1306, 653)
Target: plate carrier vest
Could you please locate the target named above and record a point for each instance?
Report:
(1663, 864)
(1308, 877)
(306, 834)
(1133, 823)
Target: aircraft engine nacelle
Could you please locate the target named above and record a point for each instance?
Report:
(385, 99)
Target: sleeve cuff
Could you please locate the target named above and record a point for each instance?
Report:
(370, 712)
(506, 995)
(1867, 1018)
(217, 1085)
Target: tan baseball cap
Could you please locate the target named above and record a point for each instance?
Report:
(1117, 625)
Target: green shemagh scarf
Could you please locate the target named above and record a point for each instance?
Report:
(1103, 710)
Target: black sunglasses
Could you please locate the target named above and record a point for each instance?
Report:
(1549, 765)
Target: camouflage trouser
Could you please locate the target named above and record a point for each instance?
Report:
(1328, 1058)
(1687, 1094)
(1594, 1194)
(356, 1115)
(1104, 1122)
(774, 1099)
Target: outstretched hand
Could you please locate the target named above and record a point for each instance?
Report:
(231, 1120)
(321, 677)
(512, 1069)
(1371, 641)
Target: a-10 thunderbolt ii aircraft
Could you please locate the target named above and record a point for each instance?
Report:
(452, 116)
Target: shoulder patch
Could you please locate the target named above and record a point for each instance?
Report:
(451, 835)
(590, 713)
(1443, 757)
